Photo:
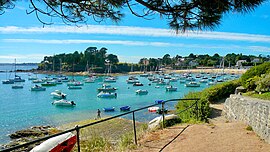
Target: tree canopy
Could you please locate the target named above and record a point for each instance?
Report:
(180, 15)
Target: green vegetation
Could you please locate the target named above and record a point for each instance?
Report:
(251, 74)
(249, 128)
(113, 135)
(257, 81)
(209, 95)
(98, 61)
(264, 96)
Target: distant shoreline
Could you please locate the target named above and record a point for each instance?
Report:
(228, 71)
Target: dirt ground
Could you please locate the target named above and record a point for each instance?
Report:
(217, 136)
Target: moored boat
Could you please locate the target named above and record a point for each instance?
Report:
(171, 88)
(58, 94)
(108, 109)
(125, 108)
(9, 81)
(38, 88)
(137, 84)
(141, 92)
(63, 102)
(49, 83)
(106, 88)
(74, 87)
(17, 87)
(107, 95)
(192, 84)
(153, 109)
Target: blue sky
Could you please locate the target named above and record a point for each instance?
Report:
(24, 38)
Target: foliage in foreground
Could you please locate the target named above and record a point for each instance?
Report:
(264, 96)
(250, 74)
(209, 95)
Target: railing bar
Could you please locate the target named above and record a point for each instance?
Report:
(93, 123)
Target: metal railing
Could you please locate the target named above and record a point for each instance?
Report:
(77, 128)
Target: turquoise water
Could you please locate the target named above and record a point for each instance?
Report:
(22, 108)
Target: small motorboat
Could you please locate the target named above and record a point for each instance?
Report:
(109, 109)
(49, 83)
(74, 87)
(89, 80)
(58, 94)
(107, 95)
(38, 81)
(212, 83)
(141, 92)
(153, 109)
(171, 88)
(64, 142)
(38, 88)
(106, 88)
(9, 81)
(17, 87)
(137, 84)
(110, 79)
(192, 84)
(74, 83)
(125, 108)
(203, 81)
(63, 102)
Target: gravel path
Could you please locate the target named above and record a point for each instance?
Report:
(217, 136)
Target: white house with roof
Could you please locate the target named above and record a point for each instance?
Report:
(240, 62)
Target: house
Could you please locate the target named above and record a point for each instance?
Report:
(256, 60)
(193, 63)
(239, 63)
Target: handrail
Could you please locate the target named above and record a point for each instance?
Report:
(77, 128)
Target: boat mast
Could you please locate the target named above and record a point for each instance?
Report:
(15, 67)
(60, 70)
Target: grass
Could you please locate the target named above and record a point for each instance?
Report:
(249, 128)
(113, 135)
(264, 96)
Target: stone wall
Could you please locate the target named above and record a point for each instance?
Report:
(254, 112)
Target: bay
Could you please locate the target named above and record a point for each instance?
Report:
(22, 108)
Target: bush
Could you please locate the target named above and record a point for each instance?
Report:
(209, 95)
(263, 85)
(255, 71)
(251, 83)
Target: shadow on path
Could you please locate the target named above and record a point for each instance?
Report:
(174, 138)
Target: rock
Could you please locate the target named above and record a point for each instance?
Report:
(27, 135)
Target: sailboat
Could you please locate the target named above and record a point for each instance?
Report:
(7, 81)
(17, 77)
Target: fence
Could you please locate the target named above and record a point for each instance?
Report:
(77, 128)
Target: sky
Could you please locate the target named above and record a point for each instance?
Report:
(23, 37)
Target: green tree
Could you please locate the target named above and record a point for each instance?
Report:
(180, 15)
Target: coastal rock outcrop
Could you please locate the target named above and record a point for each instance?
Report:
(27, 135)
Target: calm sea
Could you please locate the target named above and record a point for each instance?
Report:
(22, 108)
(11, 67)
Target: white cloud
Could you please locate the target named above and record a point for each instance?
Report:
(22, 58)
(119, 42)
(136, 31)
(142, 43)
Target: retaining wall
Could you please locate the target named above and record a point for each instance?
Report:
(254, 112)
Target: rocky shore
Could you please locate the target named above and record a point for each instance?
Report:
(27, 135)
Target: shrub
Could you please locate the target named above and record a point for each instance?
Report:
(209, 95)
(251, 83)
(263, 85)
(255, 71)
